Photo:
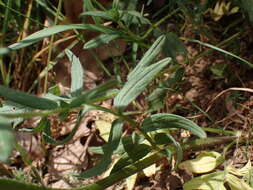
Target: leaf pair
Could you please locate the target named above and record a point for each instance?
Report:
(142, 75)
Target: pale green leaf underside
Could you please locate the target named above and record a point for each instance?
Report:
(76, 74)
(138, 83)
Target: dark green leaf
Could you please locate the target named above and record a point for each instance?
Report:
(27, 99)
(134, 153)
(113, 142)
(156, 98)
(173, 45)
(167, 121)
(128, 141)
(162, 138)
(76, 74)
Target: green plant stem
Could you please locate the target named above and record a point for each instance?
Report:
(158, 23)
(198, 144)
(130, 121)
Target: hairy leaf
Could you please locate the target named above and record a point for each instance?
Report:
(137, 83)
(164, 120)
(148, 57)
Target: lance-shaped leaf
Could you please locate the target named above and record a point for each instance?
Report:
(148, 57)
(96, 94)
(100, 40)
(137, 83)
(76, 74)
(113, 142)
(28, 100)
(37, 36)
(135, 14)
(164, 120)
(6, 139)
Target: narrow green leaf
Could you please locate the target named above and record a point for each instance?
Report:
(90, 7)
(10, 184)
(128, 141)
(101, 14)
(222, 51)
(28, 100)
(137, 83)
(76, 74)
(135, 14)
(37, 36)
(100, 40)
(148, 57)
(136, 152)
(113, 142)
(6, 139)
(166, 139)
(95, 94)
(164, 120)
